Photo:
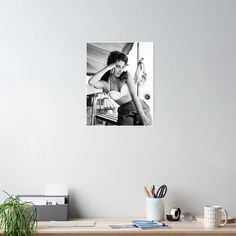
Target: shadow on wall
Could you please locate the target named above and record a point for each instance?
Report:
(74, 206)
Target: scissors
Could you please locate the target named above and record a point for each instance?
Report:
(161, 192)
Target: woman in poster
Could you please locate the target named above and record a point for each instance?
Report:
(120, 86)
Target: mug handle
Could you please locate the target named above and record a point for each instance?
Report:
(226, 216)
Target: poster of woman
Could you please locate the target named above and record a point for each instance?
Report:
(120, 84)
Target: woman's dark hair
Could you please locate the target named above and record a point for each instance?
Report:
(123, 76)
(112, 58)
(116, 56)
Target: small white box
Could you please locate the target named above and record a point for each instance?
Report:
(56, 190)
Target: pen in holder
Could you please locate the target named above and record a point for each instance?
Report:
(155, 209)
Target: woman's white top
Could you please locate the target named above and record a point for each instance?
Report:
(121, 96)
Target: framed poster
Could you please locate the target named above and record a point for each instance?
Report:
(119, 84)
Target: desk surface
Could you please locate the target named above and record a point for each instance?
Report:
(102, 228)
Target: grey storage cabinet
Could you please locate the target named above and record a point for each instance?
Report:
(51, 212)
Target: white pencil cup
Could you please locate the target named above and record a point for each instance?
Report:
(155, 209)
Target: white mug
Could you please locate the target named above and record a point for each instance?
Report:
(155, 209)
(213, 216)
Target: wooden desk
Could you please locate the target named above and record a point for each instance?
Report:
(101, 228)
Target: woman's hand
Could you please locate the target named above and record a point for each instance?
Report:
(95, 79)
(111, 67)
(146, 121)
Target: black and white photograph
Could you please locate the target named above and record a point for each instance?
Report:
(119, 84)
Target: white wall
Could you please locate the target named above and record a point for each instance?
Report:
(43, 137)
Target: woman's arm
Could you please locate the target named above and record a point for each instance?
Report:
(95, 79)
(132, 90)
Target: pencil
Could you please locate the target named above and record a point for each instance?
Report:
(147, 192)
